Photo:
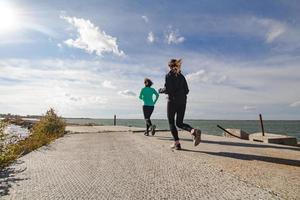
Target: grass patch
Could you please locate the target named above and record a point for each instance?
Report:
(49, 128)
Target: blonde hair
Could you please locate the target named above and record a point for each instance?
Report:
(175, 65)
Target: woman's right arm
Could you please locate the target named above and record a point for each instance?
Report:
(156, 95)
(168, 89)
(169, 86)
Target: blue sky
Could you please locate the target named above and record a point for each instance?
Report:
(89, 58)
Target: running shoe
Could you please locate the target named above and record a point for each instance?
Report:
(197, 137)
(153, 127)
(176, 146)
(146, 133)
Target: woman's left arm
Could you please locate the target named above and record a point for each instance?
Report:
(141, 94)
(186, 87)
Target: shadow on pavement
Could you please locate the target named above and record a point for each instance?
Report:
(171, 139)
(45, 148)
(8, 178)
(258, 145)
(240, 144)
(250, 157)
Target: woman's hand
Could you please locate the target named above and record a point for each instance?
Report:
(162, 90)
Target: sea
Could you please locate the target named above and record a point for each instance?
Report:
(282, 127)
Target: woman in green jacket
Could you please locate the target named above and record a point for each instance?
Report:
(146, 95)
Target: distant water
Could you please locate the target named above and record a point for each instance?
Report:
(285, 127)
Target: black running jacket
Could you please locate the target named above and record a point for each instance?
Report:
(176, 87)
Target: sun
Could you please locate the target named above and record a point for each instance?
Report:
(8, 17)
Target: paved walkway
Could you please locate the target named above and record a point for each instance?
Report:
(123, 165)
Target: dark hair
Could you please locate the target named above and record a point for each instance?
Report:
(148, 82)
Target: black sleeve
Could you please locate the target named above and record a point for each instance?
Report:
(169, 86)
(186, 87)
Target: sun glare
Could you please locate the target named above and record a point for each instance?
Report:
(8, 17)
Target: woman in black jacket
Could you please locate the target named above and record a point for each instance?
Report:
(177, 89)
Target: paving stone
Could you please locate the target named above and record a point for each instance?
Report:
(120, 165)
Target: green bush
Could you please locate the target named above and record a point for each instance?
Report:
(50, 125)
(2, 135)
(6, 153)
(2, 144)
(46, 130)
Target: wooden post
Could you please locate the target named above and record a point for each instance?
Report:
(115, 120)
(262, 125)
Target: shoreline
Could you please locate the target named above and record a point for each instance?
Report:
(88, 118)
(208, 126)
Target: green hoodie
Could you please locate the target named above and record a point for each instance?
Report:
(146, 95)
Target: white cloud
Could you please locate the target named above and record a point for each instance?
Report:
(295, 104)
(67, 85)
(108, 84)
(249, 108)
(200, 75)
(274, 28)
(268, 29)
(221, 79)
(260, 83)
(206, 77)
(151, 37)
(145, 18)
(127, 93)
(73, 102)
(76, 100)
(91, 38)
(274, 33)
(21, 81)
(173, 36)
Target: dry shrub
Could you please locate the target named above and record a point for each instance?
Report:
(46, 130)
(50, 125)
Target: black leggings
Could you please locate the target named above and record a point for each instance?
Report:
(177, 109)
(148, 110)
